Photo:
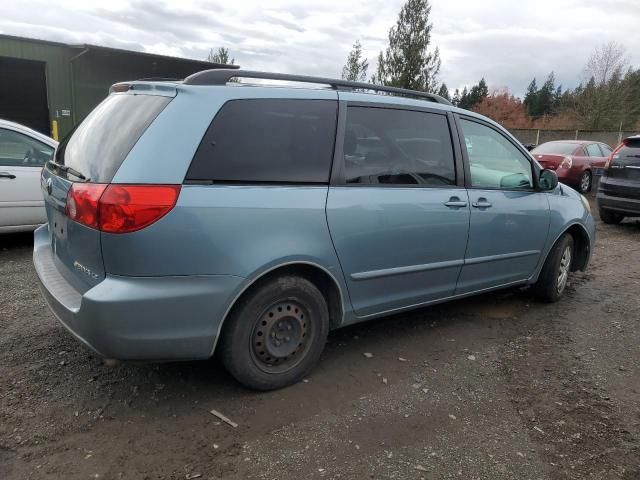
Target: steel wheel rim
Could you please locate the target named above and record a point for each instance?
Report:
(280, 338)
(586, 181)
(563, 271)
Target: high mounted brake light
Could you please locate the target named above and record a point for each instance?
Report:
(120, 87)
(115, 208)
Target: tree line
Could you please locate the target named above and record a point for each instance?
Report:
(607, 99)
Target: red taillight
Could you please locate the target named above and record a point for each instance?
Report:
(120, 87)
(610, 159)
(120, 208)
(127, 208)
(82, 203)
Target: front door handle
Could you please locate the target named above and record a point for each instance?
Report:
(8, 175)
(481, 203)
(455, 202)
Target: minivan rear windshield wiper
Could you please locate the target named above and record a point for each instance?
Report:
(68, 169)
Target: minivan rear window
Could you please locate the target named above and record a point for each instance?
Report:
(99, 145)
(268, 141)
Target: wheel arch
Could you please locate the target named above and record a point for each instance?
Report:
(582, 246)
(320, 276)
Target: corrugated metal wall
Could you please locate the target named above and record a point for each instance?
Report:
(79, 77)
(56, 58)
(98, 69)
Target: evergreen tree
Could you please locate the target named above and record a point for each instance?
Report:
(408, 62)
(443, 91)
(456, 98)
(464, 99)
(546, 96)
(477, 93)
(220, 56)
(531, 98)
(356, 67)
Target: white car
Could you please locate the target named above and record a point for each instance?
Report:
(23, 152)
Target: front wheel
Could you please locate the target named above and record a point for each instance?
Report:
(554, 276)
(610, 217)
(585, 182)
(276, 333)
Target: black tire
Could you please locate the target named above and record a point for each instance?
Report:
(609, 217)
(276, 333)
(549, 288)
(586, 182)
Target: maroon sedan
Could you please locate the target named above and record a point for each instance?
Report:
(575, 161)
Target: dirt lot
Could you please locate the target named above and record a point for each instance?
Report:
(494, 387)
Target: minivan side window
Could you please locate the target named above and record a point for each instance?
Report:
(384, 146)
(493, 160)
(268, 140)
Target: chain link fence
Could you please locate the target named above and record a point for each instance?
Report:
(531, 135)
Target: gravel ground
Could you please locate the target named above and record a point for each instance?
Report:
(493, 387)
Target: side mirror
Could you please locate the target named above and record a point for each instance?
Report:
(548, 180)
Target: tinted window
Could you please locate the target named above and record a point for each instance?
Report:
(99, 145)
(580, 152)
(18, 150)
(593, 150)
(559, 148)
(493, 160)
(628, 154)
(606, 151)
(399, 147)
(268, 140)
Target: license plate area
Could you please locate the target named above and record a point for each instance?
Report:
(58, 229)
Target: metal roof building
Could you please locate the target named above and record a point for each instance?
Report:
(51, 86)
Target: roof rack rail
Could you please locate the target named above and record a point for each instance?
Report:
(159, 79)
(222, 77)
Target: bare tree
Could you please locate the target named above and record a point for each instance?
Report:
(607, 61)
(220, 56)
(606, 98)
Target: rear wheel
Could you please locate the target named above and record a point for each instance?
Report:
(607, 216)
(276, 333)
(585, 182)
(554, 276)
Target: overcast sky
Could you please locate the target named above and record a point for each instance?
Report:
(506, 41)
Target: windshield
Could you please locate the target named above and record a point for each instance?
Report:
(559, 148)
(99, 145)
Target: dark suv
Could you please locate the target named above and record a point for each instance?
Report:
(619, 191)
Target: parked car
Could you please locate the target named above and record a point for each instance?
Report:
(23, 152)
(575, 162)
(200, 216)
(619, 190)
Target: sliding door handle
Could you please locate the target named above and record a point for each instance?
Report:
(455, 202)
(481, 203)
(8, 175)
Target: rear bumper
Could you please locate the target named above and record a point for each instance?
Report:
(623, 205)
(138, 318)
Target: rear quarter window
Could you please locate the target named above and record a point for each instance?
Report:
(268, 141)
(99, 145)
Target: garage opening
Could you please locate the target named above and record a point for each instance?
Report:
(23, 93)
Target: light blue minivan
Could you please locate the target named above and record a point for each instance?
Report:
(216, 214)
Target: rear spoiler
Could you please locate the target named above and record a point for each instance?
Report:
(145, 87)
